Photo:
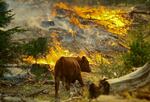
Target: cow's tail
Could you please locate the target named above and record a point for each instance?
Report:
(58, 68)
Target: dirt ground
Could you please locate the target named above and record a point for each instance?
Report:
(39, 92)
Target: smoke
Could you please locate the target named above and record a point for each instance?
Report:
(29, 13)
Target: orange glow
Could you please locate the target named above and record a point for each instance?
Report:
(76, 21)
(72, 32)
(111, 19)
(57, 51)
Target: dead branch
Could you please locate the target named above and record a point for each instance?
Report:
(140, 12)
(15, 65)
(36, 92)
(73, 98)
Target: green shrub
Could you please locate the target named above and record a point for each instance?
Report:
(139, 52)
(36, 48)
(113, 70)
(41, 71)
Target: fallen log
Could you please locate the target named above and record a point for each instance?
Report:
(131, 81)
(140, 12)
(16, 66)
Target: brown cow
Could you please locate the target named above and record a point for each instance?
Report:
(68, 70)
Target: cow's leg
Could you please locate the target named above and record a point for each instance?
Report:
(82, 85)
(63, 81)
(80, 80)
(67, 85)
(56, 86)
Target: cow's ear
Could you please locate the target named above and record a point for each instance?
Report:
(84, 58)
(78, 57)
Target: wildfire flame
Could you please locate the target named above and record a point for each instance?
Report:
(58, 51)
(115, 21)
(75, 21)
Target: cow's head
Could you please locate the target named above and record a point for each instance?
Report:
(84, 64)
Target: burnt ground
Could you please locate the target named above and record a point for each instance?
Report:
(39, 91)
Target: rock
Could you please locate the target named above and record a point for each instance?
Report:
(47, 23)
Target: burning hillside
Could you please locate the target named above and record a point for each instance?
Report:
(114, 20)
(88, 31)
(99, 52)
(57, 51)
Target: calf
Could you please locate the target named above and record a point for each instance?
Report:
(103, 88)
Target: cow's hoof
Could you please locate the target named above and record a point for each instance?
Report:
(57, 99)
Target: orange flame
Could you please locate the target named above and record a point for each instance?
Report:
(76, 21)
(57, 51)
(113, 20)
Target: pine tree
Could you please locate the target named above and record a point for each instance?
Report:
(6, 46)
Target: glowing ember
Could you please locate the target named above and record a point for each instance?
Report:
(113, 20)
(75, 21)
(72, 32)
